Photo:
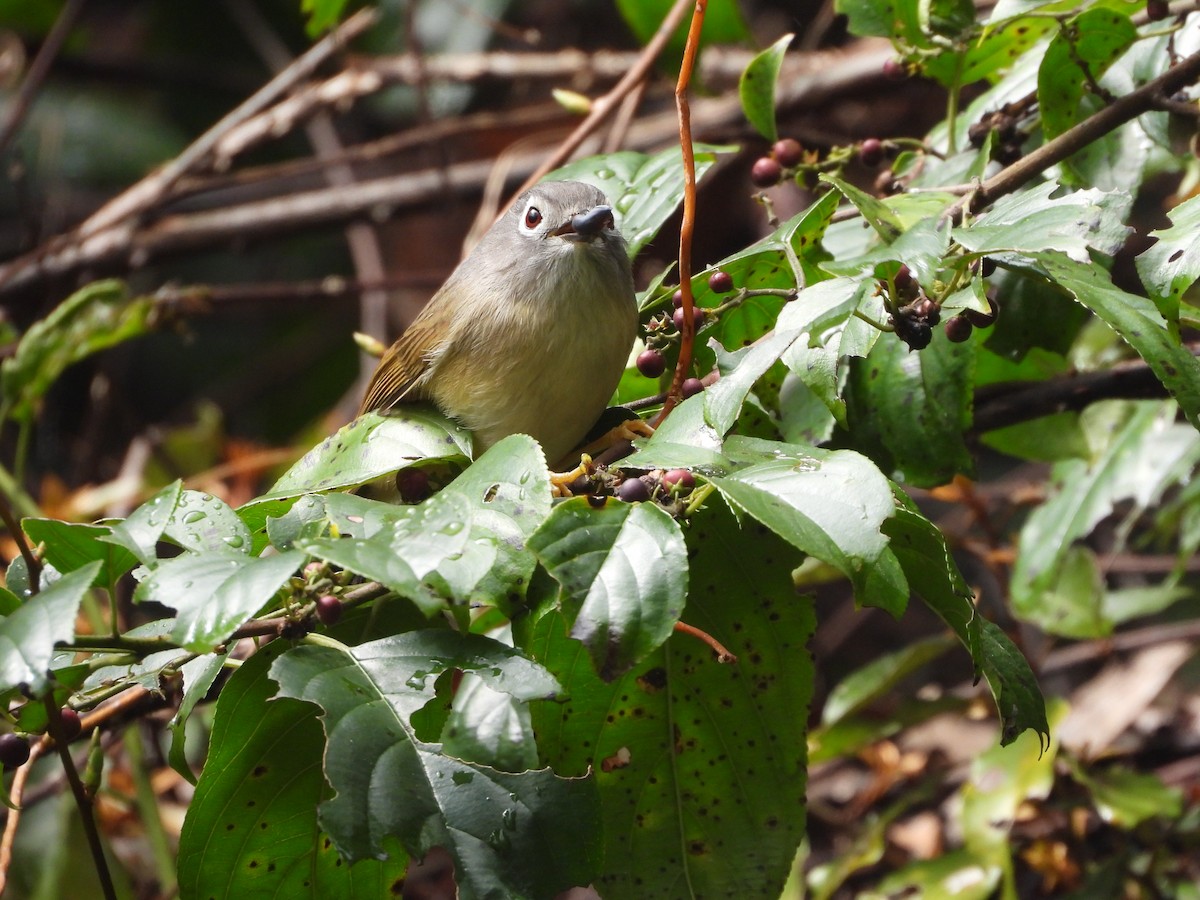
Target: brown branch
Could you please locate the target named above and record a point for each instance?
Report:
(33, 565)
(1124, 109)
(1000, 405)
(153, 188)
(810, 80)
(19, 106)
(15, 794)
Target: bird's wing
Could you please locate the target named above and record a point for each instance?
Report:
(400, 372)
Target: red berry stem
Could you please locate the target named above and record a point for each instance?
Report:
(723, 655)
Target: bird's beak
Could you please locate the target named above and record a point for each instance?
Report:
(586, 225)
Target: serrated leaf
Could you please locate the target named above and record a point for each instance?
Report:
(28, 636)
(689, 797)
(70, 545)
(916, 405)
(1079, 54)
(139, 533)
(370, 447)
(740, 371)
(251, 828)
(214, 593)
(1172, 264)
(1018, 698)
(94, 318)
(830, 504)
(198, 676)
(522, 834)
(623, 572)
(932, 573)
(202, 523)
(644, 190)
(876, 213)
(1139, 324)
(756, 87)
(1032, 221)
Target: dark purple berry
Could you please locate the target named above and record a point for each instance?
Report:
(329, 609)
(413, 485)
(903, 278)
(958, 329)
(677, 299)
(633, 490)
(870, 152)
(720, 282)
(765, 172)
(1157, 10)
(987, 266)
(926, 309)
(72, 727)
(691, 387)
(983, 319)
(912, 331)
(14, 750)
(787, 152)
(681, 479)
(651, 363)
(894, 70)
(697, 317)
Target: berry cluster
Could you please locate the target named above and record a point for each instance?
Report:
(788, 158)
(914, 314)
(662, 330)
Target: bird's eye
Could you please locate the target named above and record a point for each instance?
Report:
(533, 216)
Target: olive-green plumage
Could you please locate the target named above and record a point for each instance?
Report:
(530, 334)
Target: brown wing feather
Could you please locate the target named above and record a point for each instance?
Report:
(402, 367)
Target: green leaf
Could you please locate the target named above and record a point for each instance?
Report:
(739, 373)
(1014, 686)
(1078, 55)
(71, 545)
(214, 593)
(306, 518)
(489, 727)
(623, 572)
(1146, 453)
(411, 554)
(524, 834)
(723, 23)
(1172, 264)
(916, 405)
(1126, 798)
(878, 677)
(203, 523)
(28, 636)
(756, 87)
(370, 447)
(1137, 321)
(830, 504)
(644, 190)
(700, 766)
(869, 18)
(876, 213)
(251, 828)
(140, 532)
(1032, 221)
(92, 319)
(925, 557)
(198, 676)
(322, 14)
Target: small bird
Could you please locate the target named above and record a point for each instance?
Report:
(530, 333)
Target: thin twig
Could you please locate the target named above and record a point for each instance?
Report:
(688, 225)
(15, 794)
(19, 106)
(82, 800)
(33, 566)
(602, 106)
(723, 655)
